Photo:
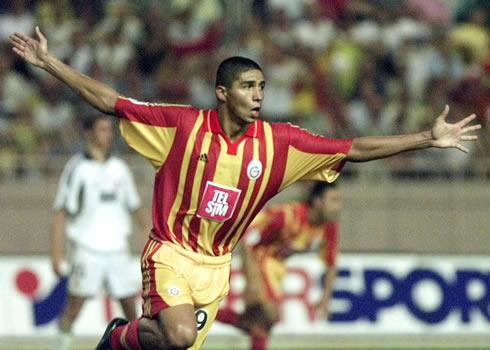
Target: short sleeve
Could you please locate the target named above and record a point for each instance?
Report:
(150, 128)
(69, 188)
(314, 157)
(155, 114)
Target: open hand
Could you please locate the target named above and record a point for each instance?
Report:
(447, 135)
(32, 50)
(58, 264)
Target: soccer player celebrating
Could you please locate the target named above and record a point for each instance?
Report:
(214, 170)
(275, 234)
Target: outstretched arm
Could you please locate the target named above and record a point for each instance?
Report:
(442, 135)
(35, 51)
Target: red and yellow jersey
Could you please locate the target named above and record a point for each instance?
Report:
(207, 188)
(282, 230)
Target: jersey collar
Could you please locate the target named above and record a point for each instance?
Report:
(212, 124)
(87, 155)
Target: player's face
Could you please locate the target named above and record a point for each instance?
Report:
(102, 133)
(331, 204)
(244, 98)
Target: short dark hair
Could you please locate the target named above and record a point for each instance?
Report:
(318, 189)
(88, 123)
(232, 67)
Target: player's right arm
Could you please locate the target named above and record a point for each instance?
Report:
(329, 254)
(67, 202)
(254, 289)
(35, 51)
(441, 135)
(261, 232)
(56, 241)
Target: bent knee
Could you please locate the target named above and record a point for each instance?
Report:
(181, 336)
(260, 315)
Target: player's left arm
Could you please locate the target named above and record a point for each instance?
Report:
(140, 217)
(254, 288)
(322, 309)
(442, 135)
(260, 233)
(56, 241)
(143, 223)
(330, 257)
(133, 202)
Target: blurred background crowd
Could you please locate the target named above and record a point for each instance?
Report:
(340, 68)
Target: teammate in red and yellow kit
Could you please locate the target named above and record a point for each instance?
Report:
(275, 234)
(214, 170)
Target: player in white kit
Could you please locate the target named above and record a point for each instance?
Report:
(96, 197)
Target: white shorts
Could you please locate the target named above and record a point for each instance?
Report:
(92, 270)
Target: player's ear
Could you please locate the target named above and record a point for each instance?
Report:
(221, 93)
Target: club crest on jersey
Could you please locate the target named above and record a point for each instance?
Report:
(218, 202)
(173, 290)
(254, 169)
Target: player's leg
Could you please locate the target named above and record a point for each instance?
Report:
(253, 294)
(63, 338)
(172, 328)
(255, 274)
(168, 307)
(259, 319)
(263, 313)
(204, 318)
(175, 328)
(123, 283)
(84, 281)
(169, 321)
(128, 306)
(72, 309)
(262, 310)
(230, 317)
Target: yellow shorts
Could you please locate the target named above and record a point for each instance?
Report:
(272, 272)
(173, 276)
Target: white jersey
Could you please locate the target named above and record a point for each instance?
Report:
(98, 198)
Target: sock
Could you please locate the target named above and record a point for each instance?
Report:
(126, 337)
(228, 316)
(62, 341)
(259, 342)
